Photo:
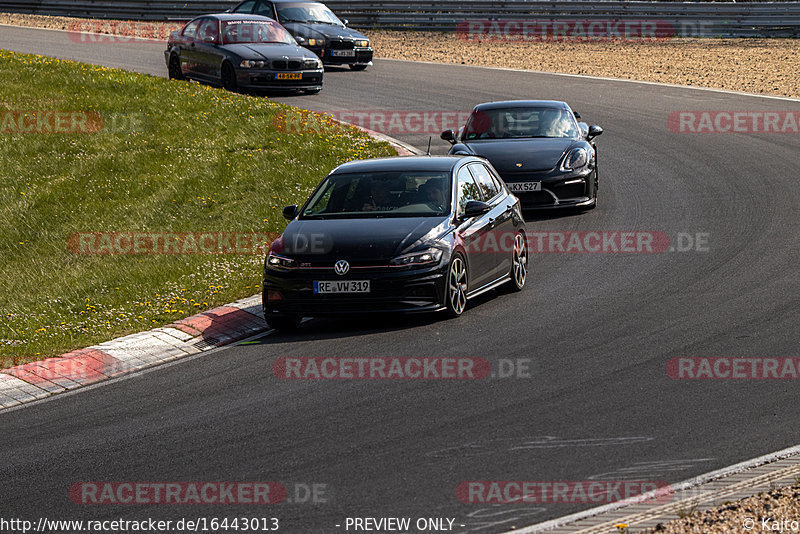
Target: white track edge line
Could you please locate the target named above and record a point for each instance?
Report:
(680, 486)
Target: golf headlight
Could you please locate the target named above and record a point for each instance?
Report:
(577, 158)
(316, 42)
(362, 42)
(280, 263)
(312, 63)
(249, 64)
(418, 259)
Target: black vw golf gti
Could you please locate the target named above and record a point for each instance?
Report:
(409, 234)
(242, 52)
(546, 157)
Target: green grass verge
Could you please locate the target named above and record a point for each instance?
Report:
(170, 157)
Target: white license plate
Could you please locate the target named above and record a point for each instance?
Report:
(341, 286)
(343, 53)
(524, 187)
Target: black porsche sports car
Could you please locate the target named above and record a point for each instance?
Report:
(317, 28)
(545, 156)
(410, 234)
(242, 52)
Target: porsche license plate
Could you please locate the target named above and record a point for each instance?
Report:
(289, 76)
(341, 286)
(343, 53)
(524, 187)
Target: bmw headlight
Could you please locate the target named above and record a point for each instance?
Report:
(576, 159)
(316, 42)
(312, 63)
(250, 64)
(362, 42)
(418, 259)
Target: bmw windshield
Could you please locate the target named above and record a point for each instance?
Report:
(307, 12)
(254, 31)
(381, 194)
(521, 123)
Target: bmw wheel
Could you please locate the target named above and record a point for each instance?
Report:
(456, 290)
(229, 77)
(175, 72)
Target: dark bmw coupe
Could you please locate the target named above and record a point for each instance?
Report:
(410, 234)
(317, 28)
(242, 52)
(545, 156)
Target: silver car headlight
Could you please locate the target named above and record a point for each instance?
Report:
(312, 63)
(250, 64)
(577, 158)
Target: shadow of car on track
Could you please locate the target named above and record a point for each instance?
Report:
(546, 215)
(319, 328)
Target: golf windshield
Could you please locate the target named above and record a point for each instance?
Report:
(381, 194)
(254, 31)
(521, 122)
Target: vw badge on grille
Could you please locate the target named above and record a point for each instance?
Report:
(341, 267)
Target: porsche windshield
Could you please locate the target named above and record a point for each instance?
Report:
(307, 12)
(520, 122)
(381, 194)
(254, 31)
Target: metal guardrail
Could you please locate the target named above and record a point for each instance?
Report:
(722, 19)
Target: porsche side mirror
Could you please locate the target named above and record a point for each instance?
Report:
(449, 135)
(594, 131)
(290, 212)
(475, 208)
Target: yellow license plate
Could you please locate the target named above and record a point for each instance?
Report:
(290, 75)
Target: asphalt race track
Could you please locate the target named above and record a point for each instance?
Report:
(598, 329)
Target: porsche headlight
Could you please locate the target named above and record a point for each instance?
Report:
(316, 42)
(576, 159)
(362, 42)
(418, 259)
